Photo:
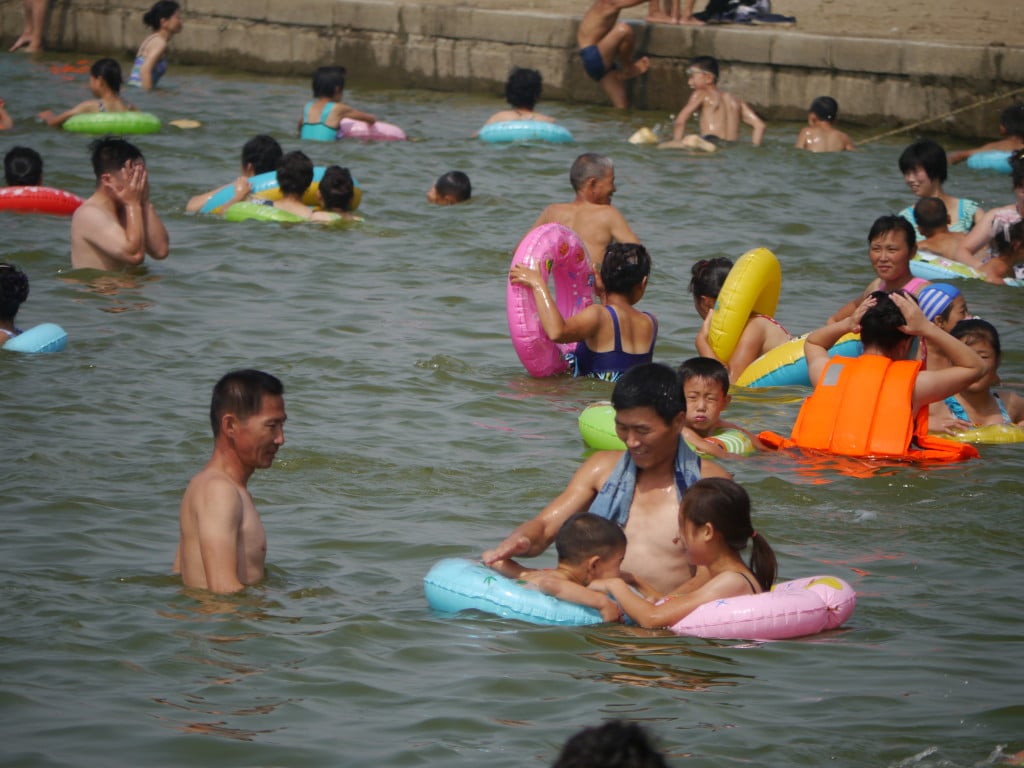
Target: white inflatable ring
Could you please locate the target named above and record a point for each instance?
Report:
(263, 186)
(752, 286)
(557, 251)
(792, 609)
(786, 366)
(113, 123)
(524, 130)
(39, 200)
(379, 131)
(597, 428)
(45, 337)
(455, 585)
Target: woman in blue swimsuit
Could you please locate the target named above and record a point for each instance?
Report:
(979, 404)
(612, 337)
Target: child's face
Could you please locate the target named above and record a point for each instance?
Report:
(698, 78)
(957, 312)
(988, 357)
(94, 85)
(705, 402)
(890, 255)
(693, 539)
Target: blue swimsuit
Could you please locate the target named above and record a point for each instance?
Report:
(317, 131)
(962, 222)
(959, 413)
(608, 366)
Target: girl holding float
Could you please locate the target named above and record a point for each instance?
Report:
(105, 86)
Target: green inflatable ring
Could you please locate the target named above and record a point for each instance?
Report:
(597, 428)
(113, 123)
(255, 211)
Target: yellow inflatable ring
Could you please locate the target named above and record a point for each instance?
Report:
(753, 286)
(991, 434)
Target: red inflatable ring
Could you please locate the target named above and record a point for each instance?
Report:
(39, 200)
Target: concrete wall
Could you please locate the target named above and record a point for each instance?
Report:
(457, 48)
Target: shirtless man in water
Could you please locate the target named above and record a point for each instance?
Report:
(223, 545)
(720, 113)
(591, 215)
(606, 48)
(639, 488)
(118, 225)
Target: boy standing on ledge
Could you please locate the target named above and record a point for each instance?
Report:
(606, 48)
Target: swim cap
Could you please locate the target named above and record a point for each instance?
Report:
(935, 298)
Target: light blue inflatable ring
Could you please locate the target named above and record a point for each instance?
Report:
(45, 337)
(990, 161)
(456, 584)
(264, 185)
(525, 130)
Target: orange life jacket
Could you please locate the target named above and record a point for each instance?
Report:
(861, 407)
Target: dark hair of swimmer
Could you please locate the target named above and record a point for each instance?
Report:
(110, 154)
(707, 277)
(931, 213)
(23, 167)
(705, 369)
(927, 155)
(975, 329)
(880, 326)
(454, 185)
(726, 505)
(162, 9)
(1006, 242)
(328, 82)
(885, 224)
(625, 266)
(650, 385)
(337, 188)
(522, 90)
(585, 535)
(109, 71)
(1012, 120)
(263, 153)
(241, 393)
(616, 744)
(294, 173)
(1017, 169)
(589, 165)
(707, 64)
(13, 291)
(825, 108)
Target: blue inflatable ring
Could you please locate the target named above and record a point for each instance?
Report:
(525, 130)
(45, 337)
(456, 584)
(264, 185)
(990, 161)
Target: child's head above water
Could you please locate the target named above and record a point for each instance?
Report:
(931, 215)
(625, 267)
(261, 154)
(13, 291)
(926, 155)
(522, 90)
(983, 338)
(586, 535)
(943, 304)
(23, 167)
(1011, 120)
(880, 325)
(703, 64)
(109, 71)
(825, 108)
(328, 82)
(450, 188)
(707, 277)
(294, 173)
(705, 389)
(337, 188)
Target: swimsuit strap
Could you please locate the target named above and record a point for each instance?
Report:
(1002, 408)
(747, 579)
(615, 324)
(654, 336)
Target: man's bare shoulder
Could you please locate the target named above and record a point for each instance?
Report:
(211, 486)
(598, 467)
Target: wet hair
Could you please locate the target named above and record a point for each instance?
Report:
(707, 276)
(327, 81)
(615, 744)
(1006, 241)
(931, 213)
(1012, 120)
(337, 188)
(885, 224)
(726, 505)
(650, 385)
(880, 325)
(927, 155)
(262, 152)
(624, 267)
(241, 393)
(109, 71)
(706, 368)
(975, 329)
(454, 184)
(1017, 168)
(110, 154)
(585, 535)
(13, 290)
(707, 64)
(825, 108)
(294, 173)
(523, 87)
(23, 167)
(162, 9)
(589, 165)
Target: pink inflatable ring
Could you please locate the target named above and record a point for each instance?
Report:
(557, 251)
(379, 131)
